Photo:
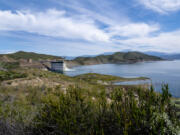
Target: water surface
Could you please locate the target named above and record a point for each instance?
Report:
(137, 82)
(160, 72)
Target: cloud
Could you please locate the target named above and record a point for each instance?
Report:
(106, 12)
(55, 23)
(134, 29)
(6, 51)
(52, 23)
(165, 42)
(112, 16)
(162, 6)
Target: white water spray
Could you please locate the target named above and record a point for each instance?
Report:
(66, 68)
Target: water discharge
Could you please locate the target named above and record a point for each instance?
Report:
(66, 68)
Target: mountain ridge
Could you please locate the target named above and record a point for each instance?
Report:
(168, 56)
(116, 58)
(30, 55)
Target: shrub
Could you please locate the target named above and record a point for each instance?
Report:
(70, 113)
(134, 111)
(10, 65)
(8, 75)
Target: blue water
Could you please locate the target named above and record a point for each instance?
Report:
(160, 72)
(148, 82)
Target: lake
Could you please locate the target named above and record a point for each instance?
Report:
(160, 72)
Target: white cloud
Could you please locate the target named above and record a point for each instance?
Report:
(105, 12)
(52, 23)
(133, 29)
(162, 6)
(6, 51)
(55, 23)
(165, 42)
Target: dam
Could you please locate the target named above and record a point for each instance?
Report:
(57, 66)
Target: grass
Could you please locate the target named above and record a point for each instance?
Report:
(9, 65)
(77, 112)
(31, 55)
(106, 79)
(9, 75)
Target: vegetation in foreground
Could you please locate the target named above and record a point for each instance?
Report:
(38, 102)
(77, 112)
(121, 112)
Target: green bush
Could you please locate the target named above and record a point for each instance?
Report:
(66, 113)
(10, 65)
(8, 75)
(134, 111)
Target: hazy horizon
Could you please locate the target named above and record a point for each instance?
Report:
(160, 54)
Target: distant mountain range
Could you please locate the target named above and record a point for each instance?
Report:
(169, 56)
(172, 56)
(73, 57)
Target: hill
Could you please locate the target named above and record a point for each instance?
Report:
(116, 58)
(28, 55)
(26, 59)
(31, 59)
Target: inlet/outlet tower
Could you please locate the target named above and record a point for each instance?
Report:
(57, 66)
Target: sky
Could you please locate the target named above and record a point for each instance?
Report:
(89, 27)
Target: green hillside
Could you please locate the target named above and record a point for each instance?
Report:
(29, 55)
(119, 57)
